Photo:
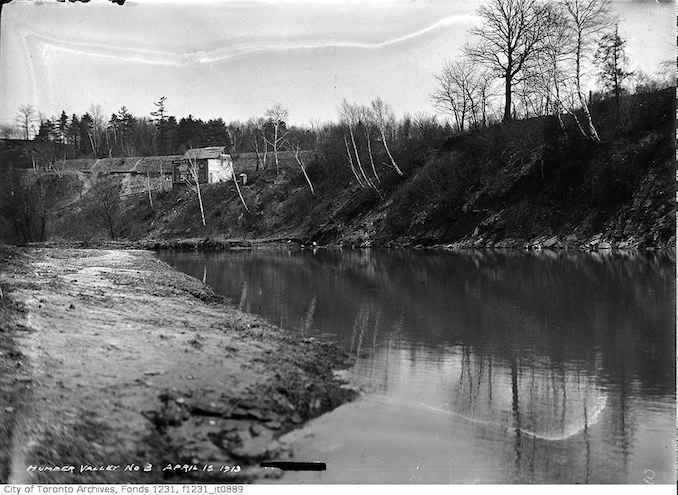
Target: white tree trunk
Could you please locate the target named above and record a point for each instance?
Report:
(263, 165)
(303, 169)
(202, 211)
(383, 138)
(237, 187)
(275, 150)
(195, 175)
(256, 151)
(350, 161)
(587, 113)
(369, 151)
(148, 184)
(357, 157)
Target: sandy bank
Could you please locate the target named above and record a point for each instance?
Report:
(111, 357)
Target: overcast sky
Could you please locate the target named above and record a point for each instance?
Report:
(232, 59)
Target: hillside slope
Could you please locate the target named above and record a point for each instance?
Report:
(525, 182)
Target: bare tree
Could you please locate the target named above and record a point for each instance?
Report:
(551, 72)
(97, 130)
(383, 119)
(26, 119)
(316, 127)
(424, 125)
(237, 188)
(234, 152)
(532, 100)
(554, 74)
(448, 96)
(50, 161)
(664, 77)
(667, 73)
(193, 180)
(112, 134)
(276, 117)
(107, 206)
(296, 150)
(463, 91)
(350, 162)
(508, 41)
(587, 20)
(148, 184)
(255, 128)
(483, 91)
(367, 120)
(26, 201)
(349, 115)
(262, 131)
(234, 131)
(7, 131)
(253, 131)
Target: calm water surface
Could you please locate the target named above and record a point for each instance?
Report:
(477, 366)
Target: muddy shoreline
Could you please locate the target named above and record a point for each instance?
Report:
(109, 357)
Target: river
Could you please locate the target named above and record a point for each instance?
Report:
(476, 366)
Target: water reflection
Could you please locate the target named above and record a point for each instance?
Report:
(488, 366)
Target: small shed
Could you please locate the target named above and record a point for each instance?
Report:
(214, 165)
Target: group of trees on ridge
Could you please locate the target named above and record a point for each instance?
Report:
(540, 57)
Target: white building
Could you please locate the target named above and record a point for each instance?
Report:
(214, 165)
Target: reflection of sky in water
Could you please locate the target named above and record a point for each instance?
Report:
(478, 366)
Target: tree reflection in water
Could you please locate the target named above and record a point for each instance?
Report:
(564, 362)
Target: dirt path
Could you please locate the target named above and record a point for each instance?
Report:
(111, 358)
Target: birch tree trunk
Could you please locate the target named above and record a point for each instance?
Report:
(357, 157)
(587, 113)
(350, 161)
(263, 165)
(237, 187)
(202, 210)
(148, 185)
(369, 151)
(580, 94)
(296, 151)
(256, 151)
(388, 152)
(195, 175)
(275, 150)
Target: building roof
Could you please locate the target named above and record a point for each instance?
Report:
(205, 153)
